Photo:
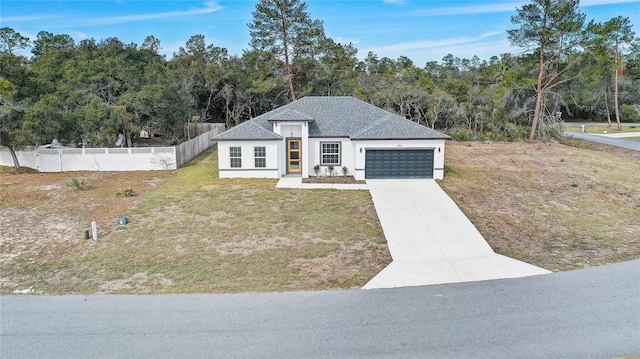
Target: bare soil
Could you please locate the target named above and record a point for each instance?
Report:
(41, 212)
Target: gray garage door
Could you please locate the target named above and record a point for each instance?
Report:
(399, 164)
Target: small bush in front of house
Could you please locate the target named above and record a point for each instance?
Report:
(345, 170)
(316, 169)
(331, 169)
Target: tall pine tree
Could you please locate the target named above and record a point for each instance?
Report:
(284, 28)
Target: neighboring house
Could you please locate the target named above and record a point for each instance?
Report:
(339, 131)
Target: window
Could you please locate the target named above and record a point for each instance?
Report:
(260, 157)
(330, 153)
(235, 154)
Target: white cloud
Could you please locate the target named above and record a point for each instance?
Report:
(27, 18)
(395, 2)
(81, 36)
(605, 2)
(484, 46)
(472, 9)
(209, 8)
(427, 44)
(497, 7)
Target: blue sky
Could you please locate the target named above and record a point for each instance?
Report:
(423, 30)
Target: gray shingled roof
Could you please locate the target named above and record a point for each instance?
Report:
(250, 130)
(291, 115)
(333, 116)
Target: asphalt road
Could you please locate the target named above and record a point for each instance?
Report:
(590, 313)
(620, 142)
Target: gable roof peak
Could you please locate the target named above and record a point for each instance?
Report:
(288, 114)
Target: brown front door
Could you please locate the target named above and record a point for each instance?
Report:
(294, 156)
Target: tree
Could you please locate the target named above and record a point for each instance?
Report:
(333, 73)
(612, 36)
(16, 86)
(194, 61)
(551, 27)
(10, 40)
(151, 43)
(47, 42)
(285, 28)
(10, 114)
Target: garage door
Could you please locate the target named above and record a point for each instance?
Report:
(399, 164)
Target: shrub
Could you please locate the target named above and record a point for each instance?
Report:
(127, 192)
(77, 184)
(345, 170)
(316, 169)
(331, 169)
(461, 134)
(629, 114)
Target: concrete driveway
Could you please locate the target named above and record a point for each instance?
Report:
(431, 241)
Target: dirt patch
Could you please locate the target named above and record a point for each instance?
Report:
(41, 215)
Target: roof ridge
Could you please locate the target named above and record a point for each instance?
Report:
(372, 125)
(280, 115)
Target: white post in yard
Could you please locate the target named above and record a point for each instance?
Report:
(94, 229)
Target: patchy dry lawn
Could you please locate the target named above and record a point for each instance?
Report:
(558, 207)
(555, 206)
(192, 233)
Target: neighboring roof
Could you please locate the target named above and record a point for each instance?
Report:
(333, 116)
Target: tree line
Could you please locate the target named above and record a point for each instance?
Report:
(92, 90)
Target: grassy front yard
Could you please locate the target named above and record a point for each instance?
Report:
(197, 233)
(556, 206)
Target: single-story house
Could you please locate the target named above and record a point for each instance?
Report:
(342, 132)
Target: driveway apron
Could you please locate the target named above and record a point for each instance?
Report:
(431, 241)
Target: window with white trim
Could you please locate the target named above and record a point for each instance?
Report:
(235, 157)
(330, 153)
(260, 157)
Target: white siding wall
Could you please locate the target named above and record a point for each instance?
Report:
(346, 152)
(438, 155)
(351, 156)
(290, 130)
(248, 169)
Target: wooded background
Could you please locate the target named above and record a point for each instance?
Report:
(93, 90)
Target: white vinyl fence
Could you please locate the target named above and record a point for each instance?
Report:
(94, 159)
(111, 159)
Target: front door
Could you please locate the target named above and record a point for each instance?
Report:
(294, 158)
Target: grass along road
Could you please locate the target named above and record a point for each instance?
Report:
(555, 206)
